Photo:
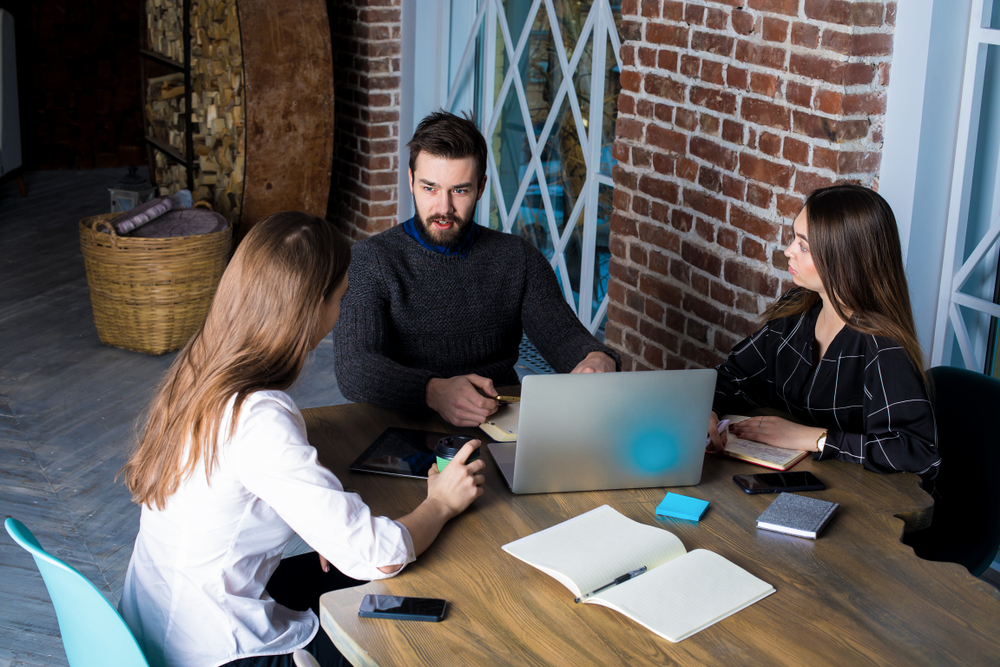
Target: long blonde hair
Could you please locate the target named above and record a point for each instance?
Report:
(854, 244)
(256, 336)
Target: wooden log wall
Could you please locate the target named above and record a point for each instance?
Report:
(262, 111)
(217, 101)
(165, 108)
(289, 68)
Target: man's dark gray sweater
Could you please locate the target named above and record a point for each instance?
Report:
(412, 314)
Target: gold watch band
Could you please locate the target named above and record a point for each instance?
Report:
(821, 441)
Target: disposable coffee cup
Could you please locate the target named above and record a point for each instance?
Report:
(447, 448)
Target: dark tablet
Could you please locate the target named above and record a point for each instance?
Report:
(403, 452)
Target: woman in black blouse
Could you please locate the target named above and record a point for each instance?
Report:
(838, 352)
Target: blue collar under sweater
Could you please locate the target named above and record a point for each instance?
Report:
(462, 249)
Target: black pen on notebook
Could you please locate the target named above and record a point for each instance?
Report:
(620, 580)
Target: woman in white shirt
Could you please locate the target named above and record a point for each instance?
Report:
(225, 474)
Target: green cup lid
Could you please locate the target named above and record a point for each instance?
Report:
(446, 448)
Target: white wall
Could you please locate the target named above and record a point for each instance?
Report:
(434, 34)
(920, 138)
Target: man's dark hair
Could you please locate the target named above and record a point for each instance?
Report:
(448, 136)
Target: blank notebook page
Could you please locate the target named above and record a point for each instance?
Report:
(686, 595)
(594, 548)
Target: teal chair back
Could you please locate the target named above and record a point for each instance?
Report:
(93, 632)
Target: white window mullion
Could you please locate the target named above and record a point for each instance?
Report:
(574, 217)
(962, 335)
(491, 37)
(496, 109)
(494, 173)
(489, 28)
(616, 42)
(977, 255)
(464, 65)
(961, 184)
(569, 66)
(596, 131)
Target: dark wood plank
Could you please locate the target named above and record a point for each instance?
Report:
(286, 56)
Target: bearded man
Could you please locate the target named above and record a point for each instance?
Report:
(436, 306)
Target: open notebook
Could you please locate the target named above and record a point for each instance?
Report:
(760, 454)
(502, 424)
(681, 592)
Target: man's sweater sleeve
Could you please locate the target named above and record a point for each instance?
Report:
(550, 323)
(364, 372)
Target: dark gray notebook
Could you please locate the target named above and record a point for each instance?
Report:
(797, 515)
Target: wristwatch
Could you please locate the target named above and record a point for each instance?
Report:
(821, 442)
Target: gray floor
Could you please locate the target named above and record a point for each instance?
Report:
(68, 406)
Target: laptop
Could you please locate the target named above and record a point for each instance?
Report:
(598, 431)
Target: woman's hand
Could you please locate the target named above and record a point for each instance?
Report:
(716, 440)
(460, 483)
(448, 494)
(778, 432)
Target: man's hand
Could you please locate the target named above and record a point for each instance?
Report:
(595, 362)
(460, 400)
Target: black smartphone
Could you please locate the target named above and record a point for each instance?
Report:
(776, 482)
(403, 609)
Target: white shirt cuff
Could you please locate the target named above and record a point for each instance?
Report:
(410, 555)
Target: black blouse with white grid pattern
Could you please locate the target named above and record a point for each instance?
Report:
(865, 391)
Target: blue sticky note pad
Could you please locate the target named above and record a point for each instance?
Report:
(682, 507)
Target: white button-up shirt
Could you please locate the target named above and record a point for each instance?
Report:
(194, 591)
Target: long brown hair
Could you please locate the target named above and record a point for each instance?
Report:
(256, 336)
(854, 245)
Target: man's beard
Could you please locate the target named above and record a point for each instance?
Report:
(451, 238)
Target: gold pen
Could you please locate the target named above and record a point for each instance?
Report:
(508, 399)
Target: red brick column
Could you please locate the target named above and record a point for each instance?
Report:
(366, 48)
(731, 112)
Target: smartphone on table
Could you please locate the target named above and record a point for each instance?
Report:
(402, 608)
(776, 482)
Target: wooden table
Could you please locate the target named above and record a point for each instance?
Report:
(855, 596)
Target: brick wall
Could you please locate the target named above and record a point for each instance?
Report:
(364, 186)
(731, 112)
(78, 83)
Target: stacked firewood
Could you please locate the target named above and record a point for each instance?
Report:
(165, 109)
(165, 21)
(217, 105)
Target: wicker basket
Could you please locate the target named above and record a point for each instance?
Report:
(150, 295)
